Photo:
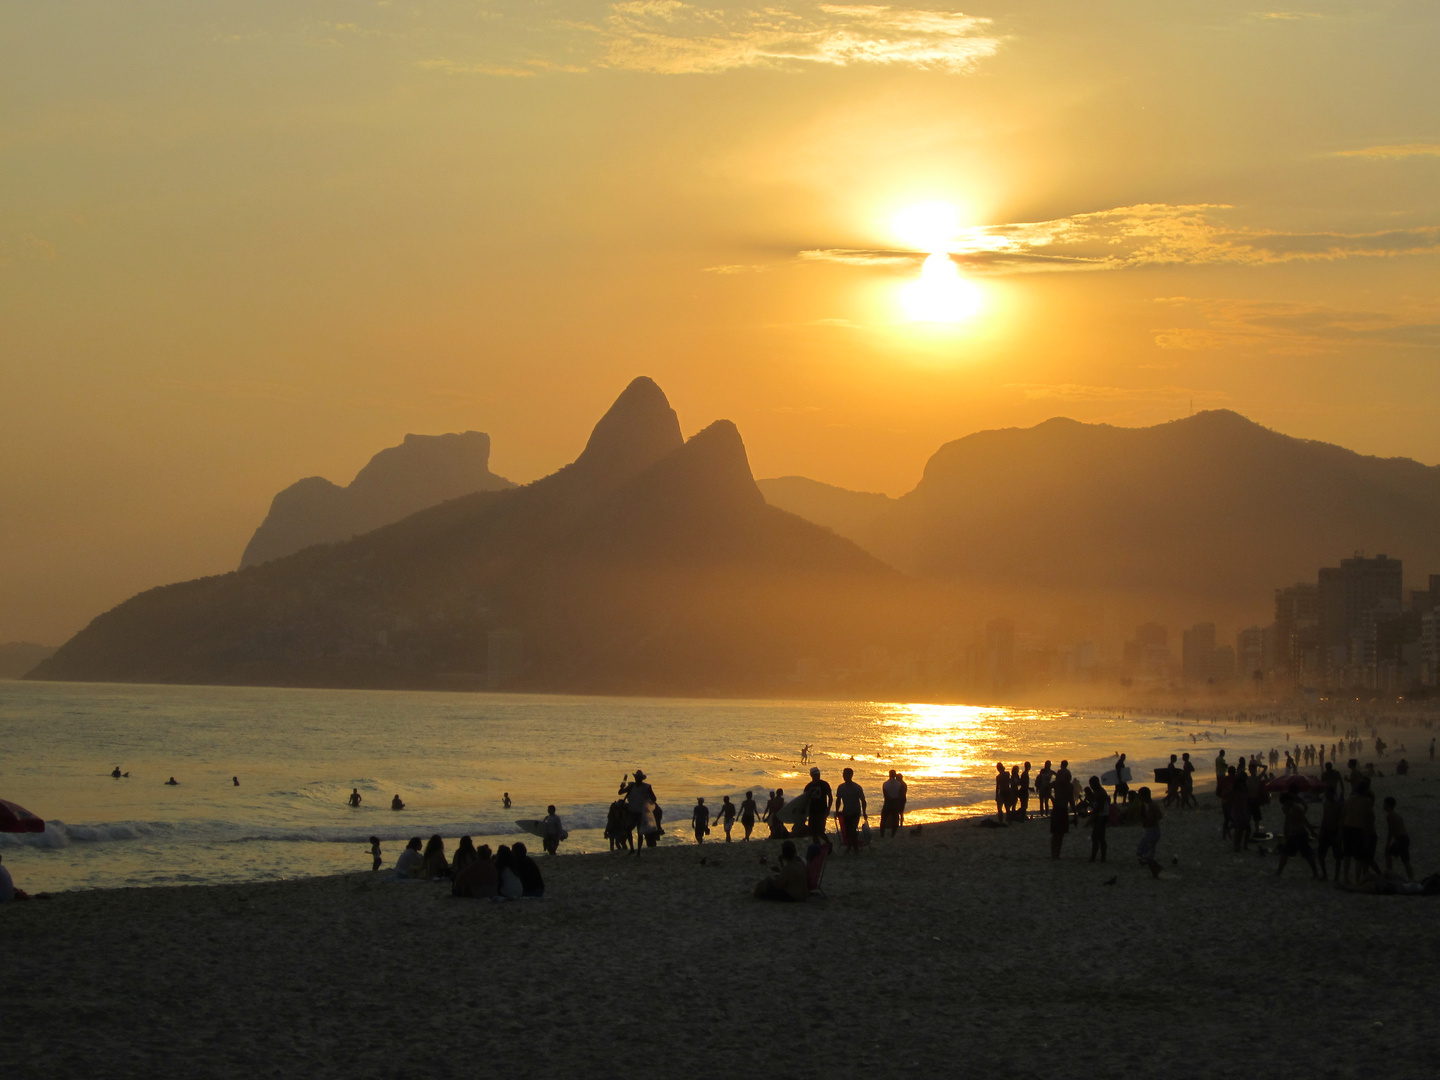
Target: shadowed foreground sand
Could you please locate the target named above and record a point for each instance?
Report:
(963, 952)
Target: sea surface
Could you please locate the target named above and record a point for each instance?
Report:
(452, 756)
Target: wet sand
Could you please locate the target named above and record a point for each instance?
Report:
(961, 952)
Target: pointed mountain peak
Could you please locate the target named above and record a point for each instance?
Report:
(637, 431)
(711, 467)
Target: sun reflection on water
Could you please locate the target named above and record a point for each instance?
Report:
(933, 741)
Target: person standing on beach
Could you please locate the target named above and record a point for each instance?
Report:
(1187, 782)
(1240, 809)
(1062, 789)
(1043, 780)
(375, 853)
(773, 807)
(820, 796)
(1330, 829)
(748, 812)
(1397, 840)
(1297, 834)
(1023, 793)
(1122, 786)
(1150, 816)
(1222, 768)
(553, 830)
(1002, 790)
(640, 802)
(1172, 780)
(354, 799)
(849, 807)
(892, 809)
(1059, 825)
(700, 820)
(1099, 818)
(726, 816)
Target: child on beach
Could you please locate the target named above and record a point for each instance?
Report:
(551, 840)
(726, 816)
(375, 852)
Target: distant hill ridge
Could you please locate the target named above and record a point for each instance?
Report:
(649, 564)
(420, 472)
(1213, 507)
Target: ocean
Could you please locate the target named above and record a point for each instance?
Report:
(451, 757)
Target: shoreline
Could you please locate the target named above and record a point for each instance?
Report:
(964, 948)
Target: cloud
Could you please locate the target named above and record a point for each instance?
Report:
(1294, 328)
(1285, 16)
(737, 268)
(672, 38)
(1079, 392)
(1401, 150)
(1148, 234)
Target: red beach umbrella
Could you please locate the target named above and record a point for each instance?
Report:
(1281, 784)
(15, 818)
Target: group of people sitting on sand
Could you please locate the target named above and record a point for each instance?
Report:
(509, 874)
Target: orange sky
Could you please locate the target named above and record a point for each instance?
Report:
(245, 243)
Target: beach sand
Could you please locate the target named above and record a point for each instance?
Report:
(962, 952)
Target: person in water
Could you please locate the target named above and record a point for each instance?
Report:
(116, 773)
(172, 782)
(408, 865)
(354, 799)
(235, 780)
(726, 816)
(532, 884)
(748, 812)
(505, 800)
(550, 841)
(375, 852)
(789, 884)
(396, 803)
(700, 820)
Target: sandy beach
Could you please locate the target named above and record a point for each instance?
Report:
(963, 951)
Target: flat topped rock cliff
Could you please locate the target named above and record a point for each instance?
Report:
(422, 471)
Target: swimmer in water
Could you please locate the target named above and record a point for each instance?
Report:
(116, 773)
(354, 799)
(396, 804)
(235, 780)
(172, 782)
(506, 800)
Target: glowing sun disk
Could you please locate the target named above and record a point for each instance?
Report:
(940, 295)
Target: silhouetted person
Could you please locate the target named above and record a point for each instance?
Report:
(726, 816)
(1099, 818)
(354, 799)
(116, 773)
(465, 854)
(1397, 840)
(433, 863)
(849, 807)
(1044, 780)
(1172, 780)
(773, 807)
(892, 809)
(644, 813)
(526, 869)
(1296, 839)
(1187, 782)
(408, 865)
(749, 811)
(1150, 816)
(1122, 786)
(172, 782)
(1022, 792)
(551, 840)
(1002, 790)
(235, 780)
(396, 803)
(375, 852)
(789, 883)
(820, 796)
(1330, 843)
(505, 800)
(700, 820)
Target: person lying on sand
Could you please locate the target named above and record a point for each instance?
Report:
(788, 885)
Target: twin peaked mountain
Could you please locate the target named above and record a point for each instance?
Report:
(649, 564)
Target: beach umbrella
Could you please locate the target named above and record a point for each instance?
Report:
(15, 818)
(1281, 784)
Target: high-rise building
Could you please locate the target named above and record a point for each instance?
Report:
(1198, 652)
(1297, 625)
(1147, 656)
(1354, 599)
(1250, 652)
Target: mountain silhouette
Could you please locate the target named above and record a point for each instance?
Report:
(1212, 512)
(650, 564)
(849, 513)
(18, 657)
(420, 472)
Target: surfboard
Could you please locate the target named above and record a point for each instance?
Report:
(1109, 776)
(536, 827)
(796, 811)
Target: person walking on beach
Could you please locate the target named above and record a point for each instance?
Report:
(726, 816)
(700, 820)
(354, 799)
(1330, 829)
(1187, 782)
(748, 812)
(1150, 816)
(553, 831)
(1059, 824)
(641, 803)
(849, 807)
(375, 852)
(820, 796)
(1099, 818)
(1222, 769)
(1172, 780)
(1062, 790)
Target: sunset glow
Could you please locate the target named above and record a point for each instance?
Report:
(940, 294)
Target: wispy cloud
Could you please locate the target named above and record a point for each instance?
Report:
(1150, 234)
(1400, 150)
(673, 38)
(1294, 328)
(738, 268)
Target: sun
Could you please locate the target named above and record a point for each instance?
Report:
(940, 295)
